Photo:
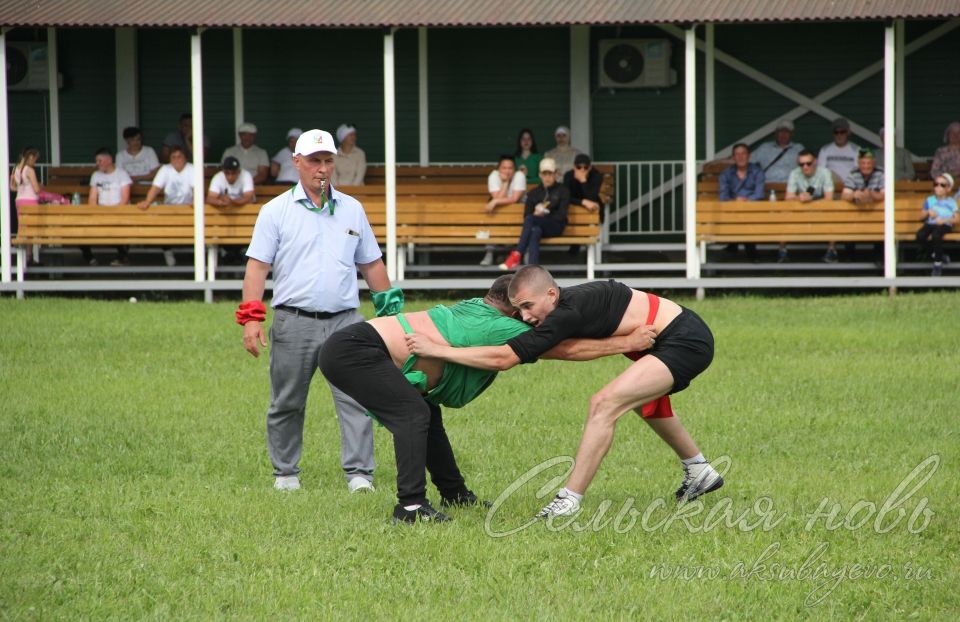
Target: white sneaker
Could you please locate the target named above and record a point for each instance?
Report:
(562, 505)
(287, 482)
(360, 484)
(698, 480)
(169, 258)
(487, 259)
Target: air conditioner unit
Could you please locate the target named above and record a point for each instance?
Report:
(635, 63)
(27, 66)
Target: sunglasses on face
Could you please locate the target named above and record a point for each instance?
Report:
(940, 184)
(810, 163)
(582, 167)
(840, 131)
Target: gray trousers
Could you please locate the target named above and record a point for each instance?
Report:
(295, 347)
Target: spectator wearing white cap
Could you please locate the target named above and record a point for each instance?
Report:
(544, 216)
(281, 166)
(253, 159)
(351, 160)
(314, 238)
(778, 157)
(563, 154)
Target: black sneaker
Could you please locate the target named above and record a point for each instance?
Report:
(424, 514)
(463, 500)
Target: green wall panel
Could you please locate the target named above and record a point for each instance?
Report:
(88, 100)
(322, 78)
(28, 122)
(637, 124)
(164, 85)
(487, 84)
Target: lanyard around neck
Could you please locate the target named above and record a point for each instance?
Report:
(325, 201)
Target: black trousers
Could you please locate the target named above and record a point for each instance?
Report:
(935, 234)
(356, 360)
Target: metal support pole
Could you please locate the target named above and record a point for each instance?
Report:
(390, 151)
(690, 152)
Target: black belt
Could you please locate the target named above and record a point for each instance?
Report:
(317, 315)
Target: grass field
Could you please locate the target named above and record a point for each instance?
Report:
(135, 482)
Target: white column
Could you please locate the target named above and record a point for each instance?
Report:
(889, 142)
(710, 123)
(4, 165)
(238, 113)
(901, 55)
(424, 96)
(52, 70)
(390, 152)
(580, 130)
(196, 108)
(125, 60)
(690, 152)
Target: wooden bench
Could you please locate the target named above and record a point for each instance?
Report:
(453, 221)
(793, 221)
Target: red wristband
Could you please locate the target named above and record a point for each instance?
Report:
(251, 310)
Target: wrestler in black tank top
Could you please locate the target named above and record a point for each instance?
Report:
(592, 311)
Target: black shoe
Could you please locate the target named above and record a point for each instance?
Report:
(424, 514)
(464, 500)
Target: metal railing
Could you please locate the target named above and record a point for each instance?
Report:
(648, 198)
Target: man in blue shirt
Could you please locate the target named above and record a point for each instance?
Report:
(777, 157)
(314, 238)
(742, 181)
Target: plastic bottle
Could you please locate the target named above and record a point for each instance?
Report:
(773, 195)
(76, 199)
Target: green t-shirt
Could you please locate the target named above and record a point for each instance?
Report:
(532, 162)
(469, 323)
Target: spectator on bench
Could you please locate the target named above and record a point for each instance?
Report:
(584, 183)
(175, 180)
(232, 186)
(564, 153)
(742, 181)
(281, 166)
(545, 215)
(947, 158)
(351, 160)
(840, 156)
(527, 157)
(24, 182)
(902, 162)
(506, 186)
(940, 215)
(252, 158)
(183, 138)
(807, 183)
(863, 186)
(776, 157)
(109, 185)
(138, 160)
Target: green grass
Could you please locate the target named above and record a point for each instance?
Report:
(134, 481)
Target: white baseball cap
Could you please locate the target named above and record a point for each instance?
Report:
(563, 129)
(247, 128)
(294, 132)
(548, 165)
(314, 141)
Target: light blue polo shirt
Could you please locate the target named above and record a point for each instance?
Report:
(314, 254)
